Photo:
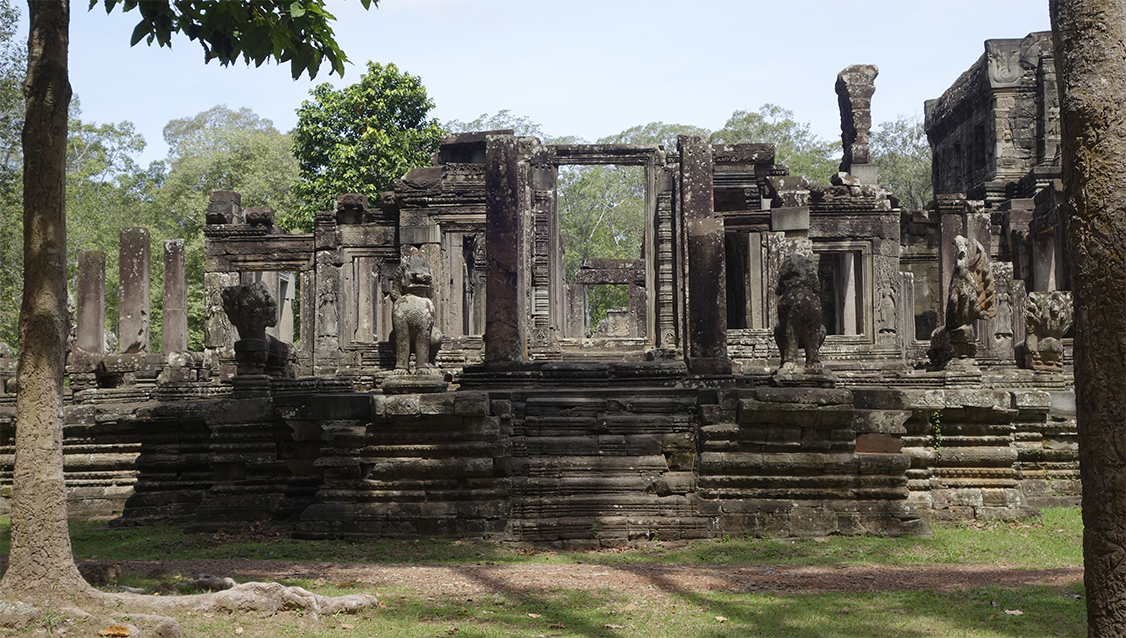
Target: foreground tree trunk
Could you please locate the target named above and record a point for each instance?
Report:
(41, 557)
(1090, 50)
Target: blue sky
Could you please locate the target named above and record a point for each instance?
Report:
(588, 68)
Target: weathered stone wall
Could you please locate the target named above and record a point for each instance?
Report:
(997, 121)
(802, 462)
(582, 465)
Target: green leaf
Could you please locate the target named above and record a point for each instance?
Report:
(296, 10)
(139, 32)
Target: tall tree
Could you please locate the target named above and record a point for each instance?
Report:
(796, 145)
(221, 149)
(362, 138)
(1091, 67)
(13, 64)
(901, 151)
(40, 558)
(655, 133)
(502, 119)
(40, 553)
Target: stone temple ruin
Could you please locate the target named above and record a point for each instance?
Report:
(687, 420)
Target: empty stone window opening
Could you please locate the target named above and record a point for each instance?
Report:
(843, 286)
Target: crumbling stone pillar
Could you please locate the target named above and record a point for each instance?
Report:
(224, 207)
(134, 278)
(855, 86)
(706, 350)
(174, 330)
(91, 302)
(504, 242)
(327, 295)
(951, 209)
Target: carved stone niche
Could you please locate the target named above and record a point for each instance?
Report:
(1047, 318)
(251, 309)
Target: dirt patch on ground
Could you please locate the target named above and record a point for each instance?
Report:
(472, 580)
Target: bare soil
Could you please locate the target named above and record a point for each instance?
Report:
(480, 579)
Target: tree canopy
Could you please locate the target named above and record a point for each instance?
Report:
(796, 145)
(901, 151)
(221, 149)
(362, 138)
(502, 119)
(296, 32)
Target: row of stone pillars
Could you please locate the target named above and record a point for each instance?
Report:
(134, 307)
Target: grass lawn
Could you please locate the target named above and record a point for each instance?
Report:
(1053, 541)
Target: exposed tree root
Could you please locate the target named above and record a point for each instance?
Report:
(151, 615)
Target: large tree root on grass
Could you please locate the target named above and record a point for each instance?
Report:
(151, 615)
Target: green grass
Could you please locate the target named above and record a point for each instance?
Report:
(979, 612)
(1053, 541)
(664, 610)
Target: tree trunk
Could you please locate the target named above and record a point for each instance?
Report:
(1089, 37)
(41, 557)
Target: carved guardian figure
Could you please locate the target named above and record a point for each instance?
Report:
(799, 312)
(251, 308)
(972, 297)
(1046, 319)
(412, 315)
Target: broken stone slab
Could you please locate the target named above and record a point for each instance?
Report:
(414, 384)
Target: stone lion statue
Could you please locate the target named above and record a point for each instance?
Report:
(799, 312)
(412, 315)
(972, 297)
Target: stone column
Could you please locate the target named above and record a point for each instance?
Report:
(706, 349)
(91, 302)
(134, 278)
(952, 223)
(855, 86)
(978, 225)
(1044, 262)
(504, 238)
(849, 291)
(286, 295)
(174, 331)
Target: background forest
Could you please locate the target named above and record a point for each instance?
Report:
(360, 138)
